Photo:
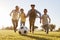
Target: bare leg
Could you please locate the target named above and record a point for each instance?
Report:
(30, 26)
(20, 23)
(16, 24)
(13, 22)
(33, 26)
(23, 23)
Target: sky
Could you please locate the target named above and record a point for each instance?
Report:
(53, 7)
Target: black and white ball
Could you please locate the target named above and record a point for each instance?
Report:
(23, 30)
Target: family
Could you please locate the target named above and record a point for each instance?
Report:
(32, 14)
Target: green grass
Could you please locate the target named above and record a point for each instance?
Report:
(38, 35)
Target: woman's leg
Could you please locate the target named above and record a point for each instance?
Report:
(16, 24)
(13, 22)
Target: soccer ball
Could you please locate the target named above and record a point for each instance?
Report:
(23, 30)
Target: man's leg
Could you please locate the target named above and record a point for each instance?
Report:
(30, 25)
(33, 28)
(33, 25)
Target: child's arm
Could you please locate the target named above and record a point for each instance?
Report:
(49, 19)
(28, 13)
(24, 15)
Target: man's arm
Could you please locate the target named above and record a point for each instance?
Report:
(39, 14)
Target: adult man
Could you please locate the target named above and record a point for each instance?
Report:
(32, 13)
(15, 17)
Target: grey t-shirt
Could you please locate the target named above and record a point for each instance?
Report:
(33, 14)
(45, 19)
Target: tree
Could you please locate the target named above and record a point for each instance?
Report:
(58, 30)
(51, 27)
(9, 28)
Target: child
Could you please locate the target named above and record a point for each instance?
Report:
(23, 17)
(45, 20)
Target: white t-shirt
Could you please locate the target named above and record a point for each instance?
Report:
(45, 19)
(15, 15)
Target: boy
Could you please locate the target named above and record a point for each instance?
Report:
(45, 20)
(23, 17)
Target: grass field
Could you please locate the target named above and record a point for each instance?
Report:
(38, 35)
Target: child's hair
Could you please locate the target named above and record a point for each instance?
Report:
(45, 10)
(21, 9)
(33, 5)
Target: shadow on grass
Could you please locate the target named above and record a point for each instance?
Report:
(34, 37)
(48, 35)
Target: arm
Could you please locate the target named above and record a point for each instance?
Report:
(11, 12)
(19, 14)
(39, 14)
(49, 19)
(24, 15)
(28, 13)
(41, 19)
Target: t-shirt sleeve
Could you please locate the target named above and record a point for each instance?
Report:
(48, 16)
(38, 12)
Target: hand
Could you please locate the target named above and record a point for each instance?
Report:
(40, 21)
(10, 14)
(49, 21)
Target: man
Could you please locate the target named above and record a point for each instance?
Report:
(15, 17)
(32, 13)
